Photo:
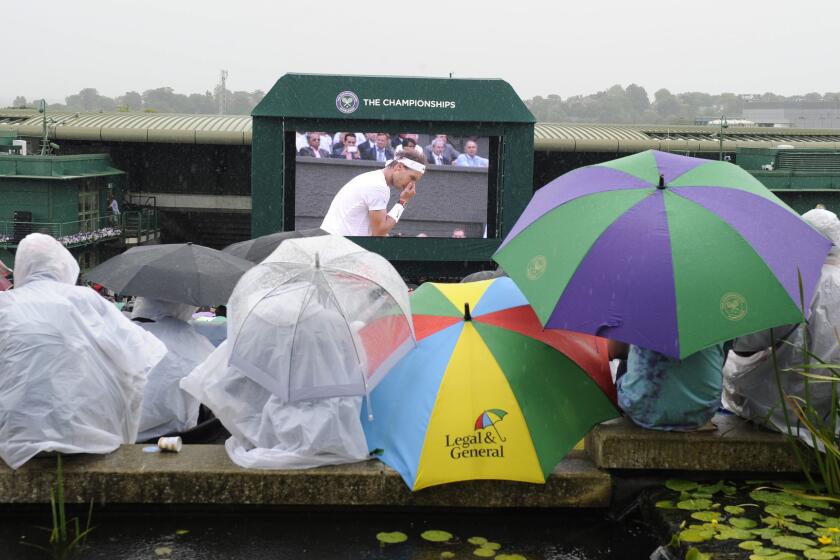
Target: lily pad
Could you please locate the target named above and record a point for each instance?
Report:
(484, 552)
(793, 543)
(680, 485)
(705, 515)
(801, 529)
(492, 545)
(182, 531)
(477, 541)
(816, 554)
(734, 510)
(750, 545)
(433, 535)
(711, 488)
(742, 522)
(765, 532)
(773, 521)
(696, 535)
(829, 522)
(510, 557)
(694, 554)
(808, 516)
(725, 532)
(391, 538)
(782, 510)
(447, 554)
(665, 504)
(695, 505)
(767, 551)
(771, 497)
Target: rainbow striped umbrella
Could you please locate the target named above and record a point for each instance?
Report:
(667, 252)
(487, 393)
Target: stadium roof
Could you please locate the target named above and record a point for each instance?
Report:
(552, 137)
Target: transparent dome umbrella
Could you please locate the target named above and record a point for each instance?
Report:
(178, 272)
(320, 317)
(666, 252)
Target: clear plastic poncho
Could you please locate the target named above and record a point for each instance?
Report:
(166, 407)
(72, 367)
(302, 344)
(750, 388)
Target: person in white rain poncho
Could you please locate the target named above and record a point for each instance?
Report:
(749, 382)
(267, 431)
(72, 367)
(302, 339)
(167, 408)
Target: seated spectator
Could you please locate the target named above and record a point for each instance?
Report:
(449, 151)
(408, 144)
(326, 142)
(470, 157)
(438, 153)
(459, 233)
(381, 149)
(268, 431)
(367, 145)
(314, 148)
(348, 149)
(5, 277)
(396, 140)
(73, 367)
(663, 393)
(166, 407)
(338, 139)
(750, 383)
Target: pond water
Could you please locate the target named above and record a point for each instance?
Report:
(349, 534)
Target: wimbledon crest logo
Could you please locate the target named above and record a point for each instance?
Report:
(536, 267)
(347, 102)
(733, 306)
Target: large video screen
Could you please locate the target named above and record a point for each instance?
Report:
(347, 170)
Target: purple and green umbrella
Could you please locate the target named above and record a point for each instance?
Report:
(666, 252)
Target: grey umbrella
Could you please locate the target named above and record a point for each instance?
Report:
(256, 250)
(182, 273)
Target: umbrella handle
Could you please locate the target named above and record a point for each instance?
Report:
(501, 438)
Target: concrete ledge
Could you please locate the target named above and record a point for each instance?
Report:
(737, 445)
(203, 474)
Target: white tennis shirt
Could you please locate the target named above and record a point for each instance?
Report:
(348, 212)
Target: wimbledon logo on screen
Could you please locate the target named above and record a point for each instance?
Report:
(347, 102)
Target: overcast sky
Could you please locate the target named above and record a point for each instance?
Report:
(54, 48)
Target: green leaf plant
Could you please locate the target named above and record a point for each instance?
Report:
(66, 535)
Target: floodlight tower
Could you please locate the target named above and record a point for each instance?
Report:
(222, 97)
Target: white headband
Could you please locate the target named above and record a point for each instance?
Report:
(410, 163)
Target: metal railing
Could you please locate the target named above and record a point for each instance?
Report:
(81, 232)
(141, 223)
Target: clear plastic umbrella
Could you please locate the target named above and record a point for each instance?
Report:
(320, 317)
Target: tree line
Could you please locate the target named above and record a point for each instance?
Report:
(616, 105)
(160, 100)
(632, 105)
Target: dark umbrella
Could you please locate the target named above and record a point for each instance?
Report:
(182, 273)
(256, 250)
